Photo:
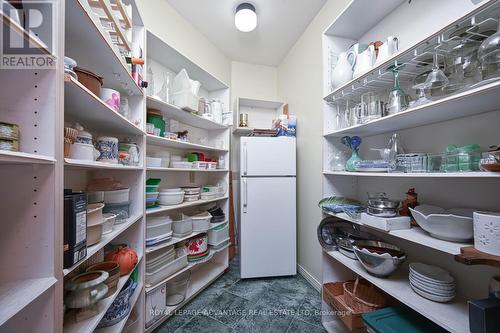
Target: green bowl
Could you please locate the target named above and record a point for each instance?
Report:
(152, 188)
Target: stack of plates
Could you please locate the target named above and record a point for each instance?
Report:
(432, 282)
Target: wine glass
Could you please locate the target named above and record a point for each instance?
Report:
(398, 100)
(436, 78)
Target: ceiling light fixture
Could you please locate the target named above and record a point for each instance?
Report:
(245, 18)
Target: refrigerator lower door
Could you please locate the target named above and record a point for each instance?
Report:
(268, 227)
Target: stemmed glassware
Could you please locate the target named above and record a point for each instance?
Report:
(398, 100)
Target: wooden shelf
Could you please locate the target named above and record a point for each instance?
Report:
(89, 325)
(452, 316)
(15, 157)
(161, 209)
(415, 235)
(185, 117)
(117, 230)
(72, 163)
(470, 256)
(118, 327)
(176, 240)
(478, 174)
(83, 106)
(164, 142)
(16, 295)
(184, 170)
(91, 47)
(471, 102)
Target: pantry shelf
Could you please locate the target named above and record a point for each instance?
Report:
(185, 170)
(117, 230)
(72, 163)
(176, 240)
(478, 174)
(185, 117)
(118, 327)
(415, 235)
(89, 325)
(15, 157)
(164, 142)
(14, 296)
(243, 130)
(200, 280)
(85, 107)
(91, 47)
(191, 265)
(161, 209)
(471, 102)
(452, 316)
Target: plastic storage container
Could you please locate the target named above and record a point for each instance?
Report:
(122, 211)
(168, 198)
(462, 159)
(95, 197)
(153, 277)
(182, 226)
(109, 221)
(158, 227)
(177, 288)
(218, 234)
(153, 162)
(201, 222)
(117, 196)
(185, 99)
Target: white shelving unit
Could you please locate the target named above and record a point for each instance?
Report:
(31, 224)
(464, 117)
(260, 113)
(205, 136)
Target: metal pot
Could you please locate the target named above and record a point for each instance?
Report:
(382, 212)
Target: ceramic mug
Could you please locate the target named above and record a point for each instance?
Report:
(108, 147)
(487, 232)
(83, 151)
(111, 97)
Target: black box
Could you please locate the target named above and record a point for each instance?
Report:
(484, 315)
(75, 227)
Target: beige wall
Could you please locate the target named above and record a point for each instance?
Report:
(164, 21)
(300, 83)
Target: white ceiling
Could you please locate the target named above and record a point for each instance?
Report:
(280, 24)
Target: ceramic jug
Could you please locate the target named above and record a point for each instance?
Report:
(387, 50)
(364, 61)
(342, 73)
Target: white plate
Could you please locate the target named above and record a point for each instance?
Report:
(434, 273)
(429, 284)
(430, 296)
(432, 290)
(372, 169)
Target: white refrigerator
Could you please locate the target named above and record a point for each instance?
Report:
(267, 228)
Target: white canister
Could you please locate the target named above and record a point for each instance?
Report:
(111, 97)
(108, 147)
(83, 151)
(487, 232)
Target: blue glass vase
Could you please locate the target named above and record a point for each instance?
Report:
(350, 164)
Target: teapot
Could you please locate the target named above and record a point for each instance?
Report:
(365, 61)
(387, 50)
(342, 73)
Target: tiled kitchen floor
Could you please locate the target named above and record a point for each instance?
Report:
(288, 304)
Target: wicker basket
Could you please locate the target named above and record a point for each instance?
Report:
(362, 296)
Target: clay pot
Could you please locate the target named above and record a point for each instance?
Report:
(85, 289)
(126, 257)
(113, 269)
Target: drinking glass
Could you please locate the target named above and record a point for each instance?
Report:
(398, 100)
(372, 107)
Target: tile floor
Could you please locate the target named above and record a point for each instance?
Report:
(277, 305)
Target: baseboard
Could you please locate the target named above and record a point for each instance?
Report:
(309, 277)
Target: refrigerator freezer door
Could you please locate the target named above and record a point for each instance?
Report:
(267, 156)
(268, 227)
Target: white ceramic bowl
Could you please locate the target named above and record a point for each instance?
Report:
(487, 232)
(170, 198)
(453, 225)
(153, 162)
(116, 196)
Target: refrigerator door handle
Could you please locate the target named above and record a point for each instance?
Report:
(245, 196)
(245, 159)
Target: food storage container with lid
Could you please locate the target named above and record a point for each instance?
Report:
(153, 162)
(153, 277)
(177, 288)
(201, 222)
(109, 221)
(117, 196)
(218, 234)
(182, 225)
(122, 211)
(158, 227)
(170, 198)
(95, 197)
